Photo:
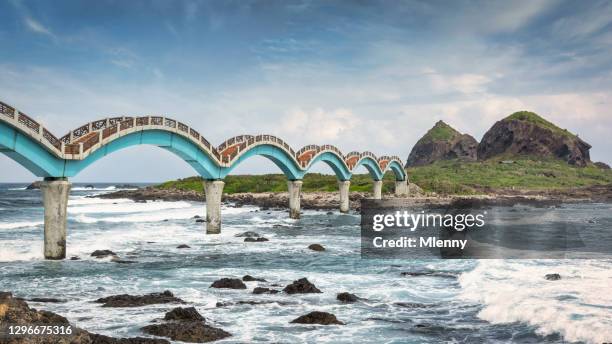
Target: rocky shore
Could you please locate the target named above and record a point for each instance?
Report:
(184, 324)
(330, 200)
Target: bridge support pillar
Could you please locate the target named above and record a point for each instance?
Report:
(401, 188)
(295, 190)
(344, 195)
(214, 191)
(377, 189)
(55, 192)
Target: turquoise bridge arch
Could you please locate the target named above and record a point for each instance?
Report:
(27, 142)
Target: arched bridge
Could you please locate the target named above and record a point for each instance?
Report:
(56, 159)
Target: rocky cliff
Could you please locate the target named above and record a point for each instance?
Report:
(442, 142)
(526, 133)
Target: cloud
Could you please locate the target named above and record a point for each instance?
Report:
(319, 125)
(586, 23)
(377, 80)
(37, 27)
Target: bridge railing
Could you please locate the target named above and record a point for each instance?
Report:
(7, 110)
(111, 126)
(28, 122)
(54, 141)
(109, 131)
(86, 137)
(91, 141)
(232, 147)
(30, 125)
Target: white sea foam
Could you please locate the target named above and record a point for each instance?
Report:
(108, 188)
(18, 225)
(124, 207)
(514, 291)
(14, 250)
(82, 200)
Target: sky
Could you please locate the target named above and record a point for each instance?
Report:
(362, 75)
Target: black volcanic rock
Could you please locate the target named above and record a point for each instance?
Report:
(301, 286)
(228, 283)
(249, 278)
(442, 142)
(320, 318)
(527, 134)
(34, 186)
(102, 253)
(262, 290)
(552, 277)
(46, 299)
(184, 314)
(125, 300)
(16, 311)
(316, 247)
(347, 297)
(191, 332)
(260, 239)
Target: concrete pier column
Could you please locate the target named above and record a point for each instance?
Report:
(214, 191)
(377, 189)
(344, 185)
(295, 190)
(55, 193)
(401, 188)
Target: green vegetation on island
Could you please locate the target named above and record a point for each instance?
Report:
(444, 161)
(440, 131)
(442, 177)
(473, 177)
(532, 117)
(313, 182)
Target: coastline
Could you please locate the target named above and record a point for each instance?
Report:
(330, 200)
(166, 235)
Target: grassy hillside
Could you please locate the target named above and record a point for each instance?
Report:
(278, 183)
(452, 176)
(444, 177)
(531, 117)
(440, 132)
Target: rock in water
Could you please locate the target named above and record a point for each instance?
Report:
(442, 142)
(33, 186)
(552, 277)
(102, 253)
(184, 314)
(191, 332)
(261, 290)
(249, 278)
(228, 283)
(320, 318)
(16, 311)
(316, 247)
(247, 235)
(347, 297)
(183, 246)
(526, 133)
(101, 339)
(46, 299)
(260, 239)
(301, 286)
(126, 300)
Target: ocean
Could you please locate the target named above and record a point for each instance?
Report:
(455, 301)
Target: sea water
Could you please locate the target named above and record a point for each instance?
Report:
(458, 301)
